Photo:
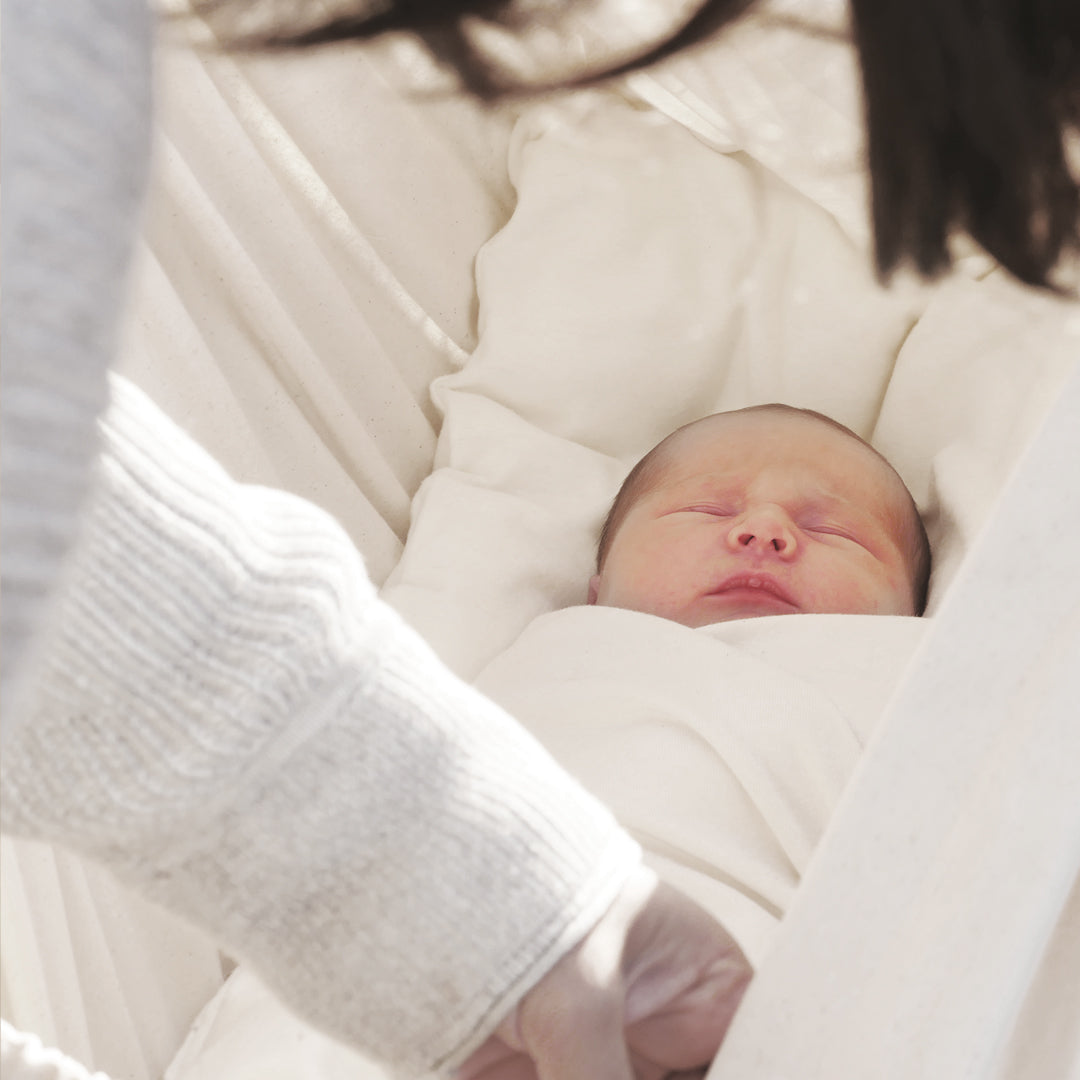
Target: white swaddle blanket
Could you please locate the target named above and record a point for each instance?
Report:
(722, 749)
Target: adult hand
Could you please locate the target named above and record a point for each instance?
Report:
(650, 992)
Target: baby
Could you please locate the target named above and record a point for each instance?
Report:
(770, 510)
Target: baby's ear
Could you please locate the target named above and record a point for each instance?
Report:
(594, 588)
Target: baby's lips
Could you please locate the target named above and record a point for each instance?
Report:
(764, 583)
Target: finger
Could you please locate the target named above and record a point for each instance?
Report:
(687, 1032)
(575, 1040)
(573, 1021)
(491, 1059)
(688, 1074)
(646, 1069)
(511, 1066)
(685, 978)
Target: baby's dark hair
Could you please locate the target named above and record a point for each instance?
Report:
(648, 470)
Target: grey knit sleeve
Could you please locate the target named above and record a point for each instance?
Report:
(76, 137)
(219, 708)
(229, 718)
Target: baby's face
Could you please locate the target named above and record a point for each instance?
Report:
(762, 514)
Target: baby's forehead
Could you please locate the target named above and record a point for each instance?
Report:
(762, 439)
(807, 449)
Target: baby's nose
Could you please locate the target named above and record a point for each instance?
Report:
(764, 530)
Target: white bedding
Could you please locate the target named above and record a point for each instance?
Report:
(643, 280)
(691, 241)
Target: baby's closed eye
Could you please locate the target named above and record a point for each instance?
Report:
(841, 532)
(829, 530)
(711, 509)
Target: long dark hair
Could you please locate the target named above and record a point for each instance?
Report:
(968, 105)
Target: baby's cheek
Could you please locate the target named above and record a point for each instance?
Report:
(629, 584)
(903, 599)
(657, 594)
(653, 590)
(893, 596)
(854, 588)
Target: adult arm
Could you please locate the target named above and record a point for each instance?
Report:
(76, 136)
(226, 716)
(218, 708)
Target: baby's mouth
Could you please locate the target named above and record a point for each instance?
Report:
(755, 586)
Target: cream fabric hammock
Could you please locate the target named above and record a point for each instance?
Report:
(691, 239)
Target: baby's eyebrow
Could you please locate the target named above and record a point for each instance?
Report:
(830, 501)
(711, 482)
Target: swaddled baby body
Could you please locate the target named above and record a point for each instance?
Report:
(720, 740)
(770, 510)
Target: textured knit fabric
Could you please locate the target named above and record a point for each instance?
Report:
(229, 718)
(76, 131)
(216, 705)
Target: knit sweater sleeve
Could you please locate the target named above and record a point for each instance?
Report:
(76, 136)
(228, 717)
(216, 705)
